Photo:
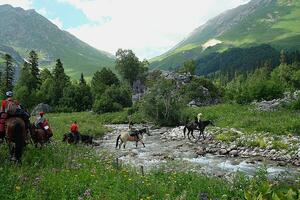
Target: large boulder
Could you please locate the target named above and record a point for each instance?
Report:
(42, 107)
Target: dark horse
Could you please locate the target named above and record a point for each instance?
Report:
(195, 125)
(124, 137)
(15, 135)
(85, 139)
(39, 135)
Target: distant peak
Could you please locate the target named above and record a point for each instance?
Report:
(10, 7)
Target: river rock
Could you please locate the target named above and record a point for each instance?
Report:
(233, 153)
(42, 107)
(201, 151)
(223, 151)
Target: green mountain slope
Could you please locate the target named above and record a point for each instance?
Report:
(274, 22)
(26, 30)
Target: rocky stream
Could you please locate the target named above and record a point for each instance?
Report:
(167, 149)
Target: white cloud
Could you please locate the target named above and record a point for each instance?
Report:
(42, 11)
(149, 28)
(26, 4)
(57, 22)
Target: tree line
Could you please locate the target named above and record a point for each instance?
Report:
(105, 93)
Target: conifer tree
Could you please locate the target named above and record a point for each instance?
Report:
(35, 72)
(8, 73)
(60, 81)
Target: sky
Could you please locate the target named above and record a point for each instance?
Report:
(148, 27)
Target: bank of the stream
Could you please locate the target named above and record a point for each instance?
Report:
(62, 171)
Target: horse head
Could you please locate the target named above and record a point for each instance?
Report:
(211, 122)
(145, 130)
(65, 137)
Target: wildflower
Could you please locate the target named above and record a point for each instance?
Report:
(18, 188)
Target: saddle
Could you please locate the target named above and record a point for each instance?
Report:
(133, 132)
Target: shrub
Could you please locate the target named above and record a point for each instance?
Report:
(163, 104)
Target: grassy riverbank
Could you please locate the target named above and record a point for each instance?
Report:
(62, 171)
(245, 117)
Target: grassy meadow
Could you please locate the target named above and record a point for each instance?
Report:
(246, 118)
(63, 171)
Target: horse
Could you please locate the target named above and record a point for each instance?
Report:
(41, 135)
(195, 125)
(86, 139)
(124, 137)
(15, 134)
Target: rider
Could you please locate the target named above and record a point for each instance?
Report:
(199, 117)
(40, 121)
(74, 131)
(13, 108)
(133, 131)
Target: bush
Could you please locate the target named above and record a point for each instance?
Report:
(163, 104)
(296, 104)
(115, 98)
(106, 104)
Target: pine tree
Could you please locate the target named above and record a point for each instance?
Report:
(8, 73)
(82, 80)
(35, 72)
(60, 81)
(102, 79)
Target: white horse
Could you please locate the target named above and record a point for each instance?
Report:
(124, 137)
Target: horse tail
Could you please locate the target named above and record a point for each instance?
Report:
(19, 140)
(117, 142)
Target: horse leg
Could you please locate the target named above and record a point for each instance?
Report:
(203, 135)
(142, 143)
(188, 135)
(192, 133)
(136, 143)
(11, 147)
(121, 142)
(124, 145)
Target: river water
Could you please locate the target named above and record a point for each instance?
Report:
(180, 155)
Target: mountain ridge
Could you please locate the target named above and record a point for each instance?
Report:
(25, 30)
(273, 22)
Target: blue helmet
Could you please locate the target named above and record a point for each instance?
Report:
(9, 93)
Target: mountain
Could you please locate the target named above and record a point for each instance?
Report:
(272, 22)
(25, 30)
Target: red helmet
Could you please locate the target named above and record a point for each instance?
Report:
(42, 113)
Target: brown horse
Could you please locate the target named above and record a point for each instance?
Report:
(124, 137)
(41, 135)
(15, 133)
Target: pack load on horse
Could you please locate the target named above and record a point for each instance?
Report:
(41, 130)
(197, 124)
(133, 135)
(14, 125)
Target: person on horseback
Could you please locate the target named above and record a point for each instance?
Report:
(199, 117)
(133, 131)
(74, 131)
(11, 107)
(40, 120)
